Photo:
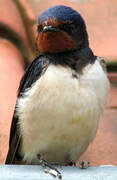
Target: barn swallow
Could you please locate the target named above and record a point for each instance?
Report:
(61, 95)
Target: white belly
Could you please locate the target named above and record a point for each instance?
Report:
(59, 115)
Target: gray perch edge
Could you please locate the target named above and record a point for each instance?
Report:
(26, 172)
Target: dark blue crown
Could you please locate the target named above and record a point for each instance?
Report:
(62, 13)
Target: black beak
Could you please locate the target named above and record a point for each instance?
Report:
(50, 28)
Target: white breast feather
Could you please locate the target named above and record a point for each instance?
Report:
(59, 114)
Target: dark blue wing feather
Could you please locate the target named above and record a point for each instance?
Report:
(32, 73)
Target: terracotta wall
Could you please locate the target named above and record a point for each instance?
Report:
(15, 53)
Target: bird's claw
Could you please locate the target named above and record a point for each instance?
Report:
(84, 165)
(52, 170)
(54, 173)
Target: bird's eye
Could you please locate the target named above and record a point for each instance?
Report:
(39, 28)
(72, 27)
(64, 27)
(69, 27)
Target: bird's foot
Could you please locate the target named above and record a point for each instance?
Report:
(84, 165)
(52, 170)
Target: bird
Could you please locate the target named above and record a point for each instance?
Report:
(61, 95)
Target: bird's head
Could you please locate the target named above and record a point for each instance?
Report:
(60, 29)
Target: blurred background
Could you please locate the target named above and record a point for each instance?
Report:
(18, 24)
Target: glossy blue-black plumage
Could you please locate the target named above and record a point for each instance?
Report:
(32, 73)
(62, 13)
